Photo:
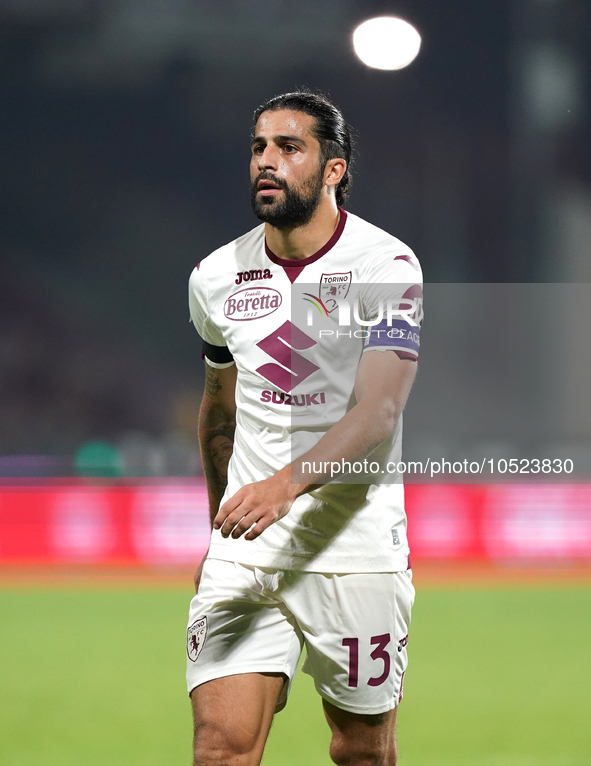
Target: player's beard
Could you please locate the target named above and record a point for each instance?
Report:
(298, 205)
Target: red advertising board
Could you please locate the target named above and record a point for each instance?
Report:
(167, 522)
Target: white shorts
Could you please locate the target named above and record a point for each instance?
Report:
(248, 619)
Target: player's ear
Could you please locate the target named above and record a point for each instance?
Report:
(334, 171)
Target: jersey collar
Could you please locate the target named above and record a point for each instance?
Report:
(289, 264)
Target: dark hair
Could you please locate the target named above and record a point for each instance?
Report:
(331, 130)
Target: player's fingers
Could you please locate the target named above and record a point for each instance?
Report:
(241, 520)
(221, 517)
(245, 523)
(257, 529)
(264, 522)
(235, 518)
(231, 505)
(230, 522)
(254, 532)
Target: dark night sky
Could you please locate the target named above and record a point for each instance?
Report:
(114, 188)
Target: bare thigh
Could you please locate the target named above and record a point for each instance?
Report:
(360, 740)
(232, 717)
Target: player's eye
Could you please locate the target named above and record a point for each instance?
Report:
(289, 148)
(258, 149)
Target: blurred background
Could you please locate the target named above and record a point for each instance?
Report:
(124, 154)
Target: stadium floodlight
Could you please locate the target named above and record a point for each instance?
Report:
(386, 43)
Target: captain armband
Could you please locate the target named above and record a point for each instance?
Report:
(395, 335)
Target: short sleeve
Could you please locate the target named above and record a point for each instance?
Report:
(392, 301)
(215, 350)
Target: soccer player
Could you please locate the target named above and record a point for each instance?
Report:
(297, 558)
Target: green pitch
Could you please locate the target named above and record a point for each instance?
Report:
(498, 677)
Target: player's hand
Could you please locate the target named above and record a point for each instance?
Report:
(255, 507)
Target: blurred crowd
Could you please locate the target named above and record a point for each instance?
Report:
(65, 384)
(124, 146)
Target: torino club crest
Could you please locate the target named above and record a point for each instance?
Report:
(334, 287)
(196, 633)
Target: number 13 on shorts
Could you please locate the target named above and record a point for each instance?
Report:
(379, 653)
(359, 658)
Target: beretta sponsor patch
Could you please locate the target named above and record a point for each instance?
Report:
(252, 303)
(196, 633)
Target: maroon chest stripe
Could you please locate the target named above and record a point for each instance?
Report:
(293, 268)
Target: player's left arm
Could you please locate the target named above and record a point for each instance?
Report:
(382, 386)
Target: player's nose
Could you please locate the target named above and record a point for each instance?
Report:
(267, 160)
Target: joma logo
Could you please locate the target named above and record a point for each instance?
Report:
(252, 275)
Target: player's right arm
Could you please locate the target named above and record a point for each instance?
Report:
(217, 422)
(217, 416)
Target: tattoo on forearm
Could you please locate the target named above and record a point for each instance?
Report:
(216, 449)
(212, 384)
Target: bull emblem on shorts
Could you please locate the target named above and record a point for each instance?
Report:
(196, 633)
(334, 287)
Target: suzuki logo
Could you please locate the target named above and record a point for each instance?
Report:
(292, 368)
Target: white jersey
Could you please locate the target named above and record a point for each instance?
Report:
(296, 351)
